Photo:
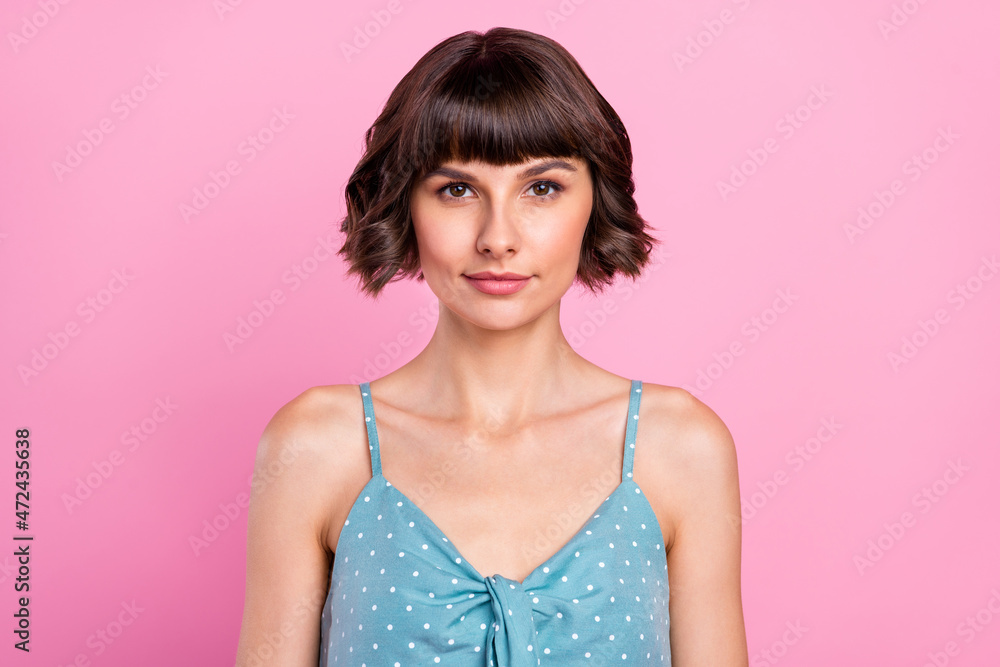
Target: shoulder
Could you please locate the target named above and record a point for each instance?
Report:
(313, 416)
(313, 451)
(681, 425)
(689, 462)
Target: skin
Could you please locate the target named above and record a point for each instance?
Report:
(497, 416)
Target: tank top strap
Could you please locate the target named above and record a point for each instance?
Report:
(630, 428)
(366, 400)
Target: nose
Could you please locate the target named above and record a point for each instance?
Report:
(499, 233)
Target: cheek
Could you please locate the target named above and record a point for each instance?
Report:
(436, 243)
(566, 237)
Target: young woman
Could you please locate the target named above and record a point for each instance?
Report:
(513, 504)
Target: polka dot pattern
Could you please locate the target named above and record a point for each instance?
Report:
(401, 594)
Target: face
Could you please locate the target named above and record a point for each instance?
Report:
(475, 222)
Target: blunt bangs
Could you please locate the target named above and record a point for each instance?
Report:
(498, 112)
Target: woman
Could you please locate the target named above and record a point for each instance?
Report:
(508, 509)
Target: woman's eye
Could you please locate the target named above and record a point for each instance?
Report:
(545, 189)
(457, 190)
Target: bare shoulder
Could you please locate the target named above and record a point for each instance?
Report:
(306, 465)
(311, 450)
(683, 427)
(686, 456)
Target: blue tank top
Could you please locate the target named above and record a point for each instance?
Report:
(401, 594)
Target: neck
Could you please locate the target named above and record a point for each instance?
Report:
(482, 376)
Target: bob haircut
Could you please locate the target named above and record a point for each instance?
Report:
(502, 97)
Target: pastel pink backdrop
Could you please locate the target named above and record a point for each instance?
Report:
(704, 88)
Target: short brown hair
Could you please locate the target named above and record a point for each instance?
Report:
(502, 97)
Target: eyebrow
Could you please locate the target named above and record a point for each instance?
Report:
(530, 172)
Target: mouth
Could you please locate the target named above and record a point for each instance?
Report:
(488, 275)
(497, 283)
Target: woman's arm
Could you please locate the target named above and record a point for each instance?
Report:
(703, 563)
(287, 561)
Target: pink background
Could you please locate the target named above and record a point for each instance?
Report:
(858, 295)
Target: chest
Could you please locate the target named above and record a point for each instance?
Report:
(507, 504)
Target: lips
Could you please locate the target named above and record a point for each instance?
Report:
(487, 275)
(488, 282)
